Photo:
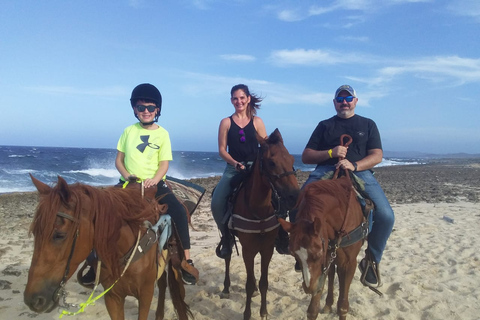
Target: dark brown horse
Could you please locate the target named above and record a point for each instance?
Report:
(328, 234)
(254, 219)
(71, 220)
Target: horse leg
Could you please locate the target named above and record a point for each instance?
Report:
(248, 259)
(329, 300)
(226, 282)
(162, 287)
(314, 306)
(115, 306)
(145, 299)
(345, 277)
(266, 257)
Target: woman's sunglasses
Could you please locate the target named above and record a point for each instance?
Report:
(142, 108)
(242, 135)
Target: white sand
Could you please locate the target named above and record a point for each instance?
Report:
(430, 270)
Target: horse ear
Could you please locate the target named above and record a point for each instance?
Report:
(287, 226)
(277, 133)
(63, 189)
(41, 187)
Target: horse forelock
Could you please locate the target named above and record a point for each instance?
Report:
(49, 205)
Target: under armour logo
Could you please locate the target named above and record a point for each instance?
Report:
(141, 147)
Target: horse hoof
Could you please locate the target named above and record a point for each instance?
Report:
(327, 309)
(255, 293)
(224, 295)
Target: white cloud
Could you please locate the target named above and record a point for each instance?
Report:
(438, 69)
(238, 57)
(469, 8)
(310, 57)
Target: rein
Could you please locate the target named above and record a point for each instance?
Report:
(360, 232)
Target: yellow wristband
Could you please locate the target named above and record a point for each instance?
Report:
(330, 153)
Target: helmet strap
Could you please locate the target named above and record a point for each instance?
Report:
(145, 124)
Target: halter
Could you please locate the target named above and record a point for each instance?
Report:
(61, 287)
(276, 199)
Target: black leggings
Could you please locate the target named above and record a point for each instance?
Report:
(176, 210)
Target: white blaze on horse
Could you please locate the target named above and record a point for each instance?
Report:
(327, 236)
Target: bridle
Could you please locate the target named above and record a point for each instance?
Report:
(60, 291)
(276, 198)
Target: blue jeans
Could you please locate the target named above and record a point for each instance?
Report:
(176, 211)
(383, 218)
(221, 194)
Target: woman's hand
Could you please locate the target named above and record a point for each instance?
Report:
(239, 166)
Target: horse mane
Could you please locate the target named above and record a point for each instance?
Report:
(108, 208)
(313, 199)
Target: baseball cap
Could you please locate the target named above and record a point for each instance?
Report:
(347, 88)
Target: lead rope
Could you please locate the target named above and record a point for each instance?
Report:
(90, 300)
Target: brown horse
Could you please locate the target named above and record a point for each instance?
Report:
(254, 219)
(71, 220)
(328, 234)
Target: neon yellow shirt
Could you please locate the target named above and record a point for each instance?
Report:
(144, 149)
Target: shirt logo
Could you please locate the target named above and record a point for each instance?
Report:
(142, 146)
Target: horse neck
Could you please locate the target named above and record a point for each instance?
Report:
(257, 190)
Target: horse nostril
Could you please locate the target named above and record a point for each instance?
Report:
(37, 303)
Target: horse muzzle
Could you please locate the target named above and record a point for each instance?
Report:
(43, 300)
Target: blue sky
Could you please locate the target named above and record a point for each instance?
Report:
(67, 68)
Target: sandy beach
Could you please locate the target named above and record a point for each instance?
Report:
(430, 269)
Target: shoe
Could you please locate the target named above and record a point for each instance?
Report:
(282, 241)
(298, 267)
(187, 277)
(224, 248)
(370, 274)
(88, 279)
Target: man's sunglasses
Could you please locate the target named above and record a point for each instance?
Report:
(142, 108)
(348, 99)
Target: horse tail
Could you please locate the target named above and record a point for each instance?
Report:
(177, 293)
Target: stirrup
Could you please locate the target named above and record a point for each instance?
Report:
(225, 247)
(365, 266)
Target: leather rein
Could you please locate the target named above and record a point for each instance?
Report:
(351, 237)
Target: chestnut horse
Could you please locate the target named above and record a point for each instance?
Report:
(254, 219)
(328, 233)
(71, 220)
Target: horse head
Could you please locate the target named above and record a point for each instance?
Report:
(322, 208)
(308, 243)
(277, 166)
(59, 247)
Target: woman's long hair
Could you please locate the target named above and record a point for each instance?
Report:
(254, 99)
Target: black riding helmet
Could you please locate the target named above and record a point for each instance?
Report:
(148, 93)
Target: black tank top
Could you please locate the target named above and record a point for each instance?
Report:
(242, 142)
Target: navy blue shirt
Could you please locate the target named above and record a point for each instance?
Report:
(364, 133)
(246, 150)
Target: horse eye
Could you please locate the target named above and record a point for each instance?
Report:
(59, 236)
(271, 164)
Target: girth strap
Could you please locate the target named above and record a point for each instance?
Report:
(245, 225)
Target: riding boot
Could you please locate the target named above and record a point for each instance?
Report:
(282, 241)
(88, 279)
(224, 248)
(370, 271)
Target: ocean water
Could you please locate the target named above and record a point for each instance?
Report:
(97, 166)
